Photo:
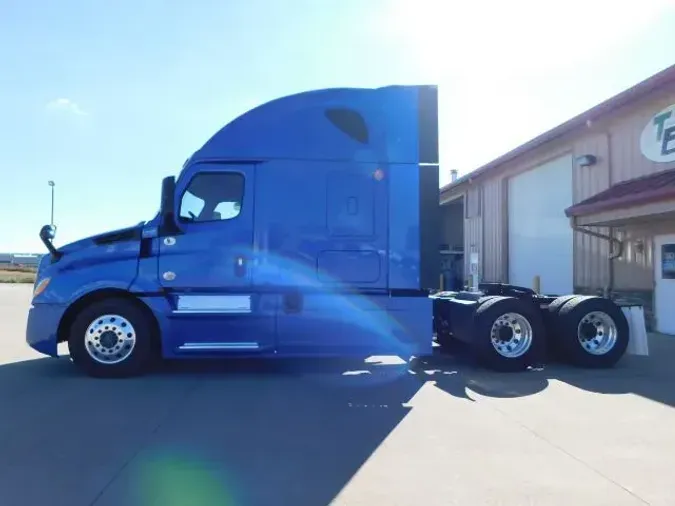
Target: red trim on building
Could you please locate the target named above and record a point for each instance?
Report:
(634, 192)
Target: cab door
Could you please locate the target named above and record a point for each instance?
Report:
(206, 267)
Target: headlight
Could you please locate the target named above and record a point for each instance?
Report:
(41, 286)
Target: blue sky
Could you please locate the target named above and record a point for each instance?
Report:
(106, 98)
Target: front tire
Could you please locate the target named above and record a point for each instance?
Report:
(111, 338)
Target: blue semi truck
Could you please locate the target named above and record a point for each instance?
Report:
(308, 226)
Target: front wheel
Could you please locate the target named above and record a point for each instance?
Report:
(111, 338)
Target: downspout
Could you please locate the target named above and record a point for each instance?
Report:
(614, 254)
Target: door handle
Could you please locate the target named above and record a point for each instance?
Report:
(240, 266)
(293, 302)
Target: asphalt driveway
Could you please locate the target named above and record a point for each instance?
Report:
(317, 433)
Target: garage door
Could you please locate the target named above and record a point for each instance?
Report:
(540, 237)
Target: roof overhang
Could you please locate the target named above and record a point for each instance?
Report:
(634, 216)
(451, 199)
(631, 202)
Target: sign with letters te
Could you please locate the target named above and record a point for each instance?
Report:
(657, 141)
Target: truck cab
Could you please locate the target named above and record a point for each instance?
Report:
(306, 227)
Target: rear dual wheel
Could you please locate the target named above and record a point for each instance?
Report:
(589, 331)
(508, 334)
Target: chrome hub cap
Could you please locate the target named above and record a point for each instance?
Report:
(110, 339)
(597, 333)
(511, 335)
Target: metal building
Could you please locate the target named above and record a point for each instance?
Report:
(26, 259)
(588, 206)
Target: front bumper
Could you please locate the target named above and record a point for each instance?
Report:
(42, 326)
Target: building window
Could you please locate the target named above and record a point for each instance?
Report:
(213, 196)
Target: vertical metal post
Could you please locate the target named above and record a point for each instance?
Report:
(536, 283)
(51, 183)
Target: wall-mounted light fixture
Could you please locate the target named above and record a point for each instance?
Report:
(639, 246)
(586, 160)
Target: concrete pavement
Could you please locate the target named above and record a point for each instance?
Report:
(312, 434)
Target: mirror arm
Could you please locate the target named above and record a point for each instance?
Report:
(168, 225)
(47, 233)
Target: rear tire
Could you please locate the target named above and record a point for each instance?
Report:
(552, 323)
(111, 338)
(555, 306)
(594, 332)
(508, 334)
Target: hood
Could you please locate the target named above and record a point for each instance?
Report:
(114, 236)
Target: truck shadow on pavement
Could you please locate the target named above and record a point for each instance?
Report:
(255, 433)
(251, 433)
(633, 375)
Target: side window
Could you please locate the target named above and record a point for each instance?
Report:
(213, 196)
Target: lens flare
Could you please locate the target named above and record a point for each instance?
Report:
(180, 479)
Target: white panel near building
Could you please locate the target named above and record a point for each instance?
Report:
(540, 237)
(664, 277)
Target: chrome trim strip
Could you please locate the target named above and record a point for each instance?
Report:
(218, 346)
(210, 311)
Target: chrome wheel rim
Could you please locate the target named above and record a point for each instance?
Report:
(110, 339)
(511, 335)
(597, 333)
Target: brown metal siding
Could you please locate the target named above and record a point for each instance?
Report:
(473, 242)
(615, 141)
(494, 221)
(635, 270)
(628, 161)
(650, 87)
(591, 254)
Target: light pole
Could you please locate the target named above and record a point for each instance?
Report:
(51, 183)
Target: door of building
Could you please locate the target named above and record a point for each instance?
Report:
(664, 277)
